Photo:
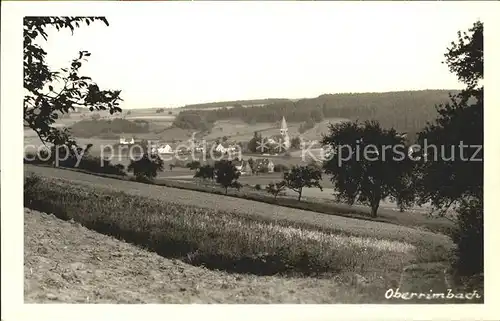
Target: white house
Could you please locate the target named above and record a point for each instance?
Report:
(221, 149)
(124, 141)
(232, 148)
(165, 149)
(270, 167)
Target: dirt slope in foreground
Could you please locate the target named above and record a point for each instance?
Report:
(67, 263)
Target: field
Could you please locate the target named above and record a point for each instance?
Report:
(345, 260)
(241, 131)
(248, 247)
(160, 128)
(83, 266)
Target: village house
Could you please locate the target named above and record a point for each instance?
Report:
(220, 148)
(124, 141)
(270, 166)
(243, 167)
(225, 148)
(165, 149)
(264, 165)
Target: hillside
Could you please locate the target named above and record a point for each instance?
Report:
(56, 272)
(407, 111)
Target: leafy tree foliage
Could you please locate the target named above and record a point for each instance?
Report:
(448, 174)
(276, 189)
(368, 164)
(146, 168)
(469, 237)
(192, 121)
(406, 111)
(306, 126)
(234, 103)
(193, 165)
(91, 128)
(50, 94)
(226, 174)
(254, 142)
(317, 115)
(205, 172)
(251, 163)
(302, 176)
(449, 180)
(295, 143)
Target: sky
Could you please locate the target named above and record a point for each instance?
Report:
(173, 54)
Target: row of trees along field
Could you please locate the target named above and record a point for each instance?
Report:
(456, 182)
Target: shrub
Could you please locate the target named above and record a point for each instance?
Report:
(31, 180)
(302, 176)
(280, 168)
(41, 158)
(96, 127)
(205, 172)
(276, 189)
(193, 165)
(146, 168)
(86, 162)
(469, 238)
(104, 166)
(258, 187)
(226, 174)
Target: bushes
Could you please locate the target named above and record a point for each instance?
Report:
(89, 163)
(146, 168)
(92, 128)
(469, 238)
(205, 172)
(281, 168)
(226, 174)
(194, 165)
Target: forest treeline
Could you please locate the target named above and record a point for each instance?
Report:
(238, 103)
(406, 111)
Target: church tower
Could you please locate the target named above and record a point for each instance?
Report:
(284, 133)
(284, 127)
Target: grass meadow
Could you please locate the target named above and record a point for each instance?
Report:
(244, 237)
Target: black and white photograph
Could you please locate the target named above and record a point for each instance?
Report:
(249, 152)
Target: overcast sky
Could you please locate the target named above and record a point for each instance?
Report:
(169, 55)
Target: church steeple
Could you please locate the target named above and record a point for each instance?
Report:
(284, 133)
(284, 127)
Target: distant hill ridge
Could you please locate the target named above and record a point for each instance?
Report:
(404, 110)
(249, 102)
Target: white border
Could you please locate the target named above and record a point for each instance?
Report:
(12, 181)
